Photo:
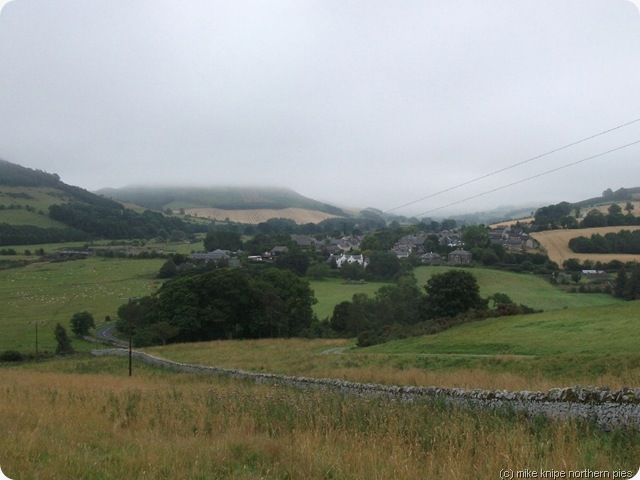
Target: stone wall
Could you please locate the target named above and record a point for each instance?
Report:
(606, 408)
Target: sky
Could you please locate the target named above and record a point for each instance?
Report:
(421, 107)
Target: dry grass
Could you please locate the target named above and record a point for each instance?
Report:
(298, 215)
(556, 244)
(322, 358)
(184, 426)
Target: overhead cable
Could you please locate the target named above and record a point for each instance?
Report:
(530, 178)
(514, 166)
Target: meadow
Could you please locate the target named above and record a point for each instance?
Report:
(84, 418)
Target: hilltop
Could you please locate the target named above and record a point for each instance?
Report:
(220, 197)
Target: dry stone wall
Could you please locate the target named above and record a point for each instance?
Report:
(606, 408)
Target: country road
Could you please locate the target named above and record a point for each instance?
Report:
(106, 332)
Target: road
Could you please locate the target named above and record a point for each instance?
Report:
(107, 333)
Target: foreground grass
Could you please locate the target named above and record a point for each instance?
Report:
(164, 425)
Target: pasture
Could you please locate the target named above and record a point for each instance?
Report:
(48, 293)
(556, 244)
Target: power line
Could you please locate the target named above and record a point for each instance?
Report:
(530, 178)
(515, 165)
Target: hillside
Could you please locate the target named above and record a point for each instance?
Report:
(38, 189)
(37, 207)
(218, 197)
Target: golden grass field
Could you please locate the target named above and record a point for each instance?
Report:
(556, 244)
(77, 418)
(298, 215)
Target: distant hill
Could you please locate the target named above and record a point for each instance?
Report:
(219, 197)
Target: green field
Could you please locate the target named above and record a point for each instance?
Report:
(331, 292)
(526, 289)
(588, 330)
(48, 293)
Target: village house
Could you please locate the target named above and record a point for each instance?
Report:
(342, 259)
(459, 257)
(215, 256)
(431, 258)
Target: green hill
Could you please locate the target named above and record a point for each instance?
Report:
(37, 207)
(226, 198)
(603, 330)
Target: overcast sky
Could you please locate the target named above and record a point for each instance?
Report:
(359, 103)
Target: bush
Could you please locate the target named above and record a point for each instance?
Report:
(11, 356)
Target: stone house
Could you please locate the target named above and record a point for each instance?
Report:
(459, 257)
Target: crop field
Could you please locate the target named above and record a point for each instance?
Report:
(556, 244)
(605, 208)
(298, 215)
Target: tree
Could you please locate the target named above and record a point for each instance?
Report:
(620, 283)
(451, 293)
(595, 218)
(64, 342)
(632, 287)
(383, 266)
(222, 240)
(296, 262)
(475, 236)
(168, 270)
(81, 323)
(629, 207)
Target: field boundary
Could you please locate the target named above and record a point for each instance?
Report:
(606, 408)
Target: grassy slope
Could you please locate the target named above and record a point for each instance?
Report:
(52, 292)
(40, 200)
(526, 289)
(601, 330)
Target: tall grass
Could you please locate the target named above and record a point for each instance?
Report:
(101, 426)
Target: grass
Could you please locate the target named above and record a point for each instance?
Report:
(103, 425)
(332, 291)
(526, 289)
(48, 293)
(597, 330)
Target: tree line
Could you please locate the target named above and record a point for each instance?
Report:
(567, 215)
(624, 241)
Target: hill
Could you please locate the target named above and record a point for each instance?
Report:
(218, 197)
(37, 207)
(39, 189)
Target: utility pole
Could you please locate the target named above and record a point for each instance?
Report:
(130, 330)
